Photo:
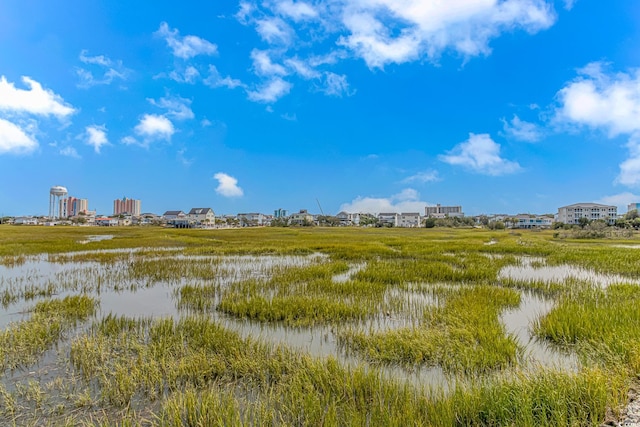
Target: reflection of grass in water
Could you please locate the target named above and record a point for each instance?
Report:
(462, 335)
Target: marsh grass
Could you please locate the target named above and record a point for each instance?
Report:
(23, 342)
(193, 371)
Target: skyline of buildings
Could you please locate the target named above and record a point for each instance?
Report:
(126, 206)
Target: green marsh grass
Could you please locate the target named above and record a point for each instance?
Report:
(190, 370)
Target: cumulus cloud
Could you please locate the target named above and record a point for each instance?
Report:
(176, 107)
(107, 70)
(521, 130)
(480, 154)
(408, 200)
(380, 32)
(389, 31)
(14, 140)
(35, 100)
(423, 177)
(271, 91)
(153, 127)
(606, 101)
(227, 185)
(216, 80)
(96, 136)
(187, 46)
(621, 200)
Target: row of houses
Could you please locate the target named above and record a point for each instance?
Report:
(206, 218)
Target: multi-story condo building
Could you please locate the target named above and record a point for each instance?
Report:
(633, 206)
(126, 206)
(391, 219)
(571, 214)
(438, 211)
(411, 220)
(202, 216)
(72, 206)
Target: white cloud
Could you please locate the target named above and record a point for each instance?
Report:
(216, 80)
(263, 65)
(189, 75)
(96, 137)
(609, 102)
(109, 70)
(423, 177)
(129, 140)
(405, 201)
(599, 100)
(568, 4)
(271, 91)
(185, 47)
(227, 185)
(298, 11)
(522, 130)
(621, 200)
(302, 68)
(480, 154)
(177, 107)
(153, 127)
(36, 100)
(336, 85)
(70, 152)
(14, 140)
(391, 31)
(274, 31)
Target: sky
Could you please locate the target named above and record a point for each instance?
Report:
(500, 106)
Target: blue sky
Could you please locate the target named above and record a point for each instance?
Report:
(501, 106)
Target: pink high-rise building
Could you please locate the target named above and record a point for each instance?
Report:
(72, 206)
(126, 206)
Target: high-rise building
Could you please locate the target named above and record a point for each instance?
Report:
(438, 211)
(72, 206)
(126, 206)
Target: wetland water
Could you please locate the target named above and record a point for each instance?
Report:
(124, 294)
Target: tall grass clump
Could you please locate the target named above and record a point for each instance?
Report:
(463, 335)
(24, 341)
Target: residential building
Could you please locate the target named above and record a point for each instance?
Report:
(530, 221)
(107, 222)
(126, 207)
(169, 215)
(347, 218)
(633, 207)
(571, 214)
(25, 220)
(72, 206)
(439, 211)
(252, 219)
(202, 216)
(391, 219)
(410, 220)
(301, 218)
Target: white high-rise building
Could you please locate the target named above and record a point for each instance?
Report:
(571, 214)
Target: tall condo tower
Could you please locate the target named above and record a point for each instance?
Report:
(55, 193)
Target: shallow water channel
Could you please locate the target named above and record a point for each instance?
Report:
(120, 294)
